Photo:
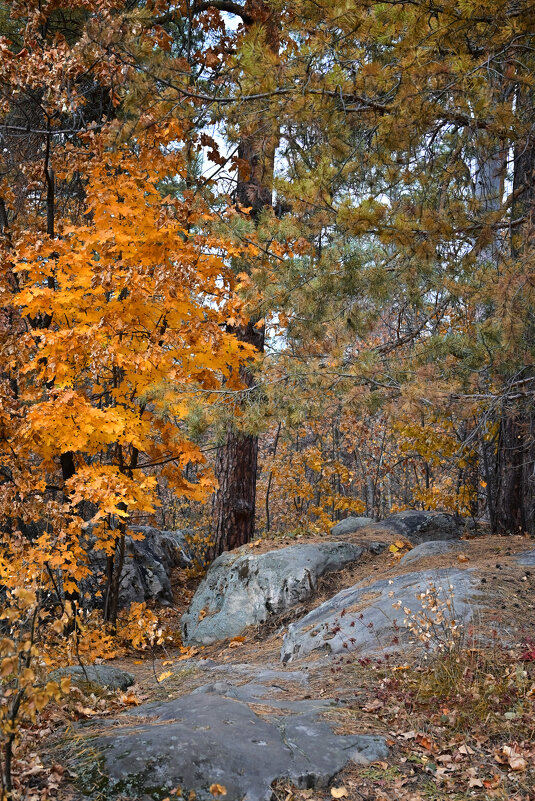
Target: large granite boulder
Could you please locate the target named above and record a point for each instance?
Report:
(106, 676)
(370, 620)
(418, 526)
(426, 550)
(243, 589)
(213, 737)
(148, 563)
(350, 525)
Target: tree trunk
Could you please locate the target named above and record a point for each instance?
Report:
(514, 507)
(515, 488)
(236, 471)
(237, 460)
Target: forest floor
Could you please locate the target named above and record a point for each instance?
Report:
(459, 726)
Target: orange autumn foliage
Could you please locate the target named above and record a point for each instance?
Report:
(114, 326)
(137, 299)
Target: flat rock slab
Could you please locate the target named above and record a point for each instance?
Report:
(433, 548)
(243, 590)
(350, 525)
(526, 558)
(255, 693)
(104, 675)
(363, 619)
(259, 673)
(209, 738)
(418, 526)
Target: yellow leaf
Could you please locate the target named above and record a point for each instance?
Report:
(187, 653)
(8, 666)
(165, 675)
(338, 792)
(218, 789)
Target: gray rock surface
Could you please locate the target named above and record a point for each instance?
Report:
(526, 558)
(147, 567)
(243, 589)
(104, 675)
(433, 548)
(208, 737)
(376, 547)
(259, 674)
(420, 527)
(350, 525)
(363, 619)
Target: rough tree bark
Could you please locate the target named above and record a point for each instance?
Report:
(236, 464)
(515, 463)
(514, 507)
(236, 471)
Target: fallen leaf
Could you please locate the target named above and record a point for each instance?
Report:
(86, 711)
(218, 789)
(441, 774)
(466, 750)
(462, 558)
(373, 706)
(475, 782)
(425, 742)
(515, 760)
(473, 778)
(187, 653)
(338, 792)
(34, 770)
(129, 698)
(164, 675)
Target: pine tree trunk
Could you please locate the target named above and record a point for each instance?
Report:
(237, 460)
(515, 476)
(514, 506)
(236, 471)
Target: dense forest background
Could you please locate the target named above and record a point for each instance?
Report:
(263, 265)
